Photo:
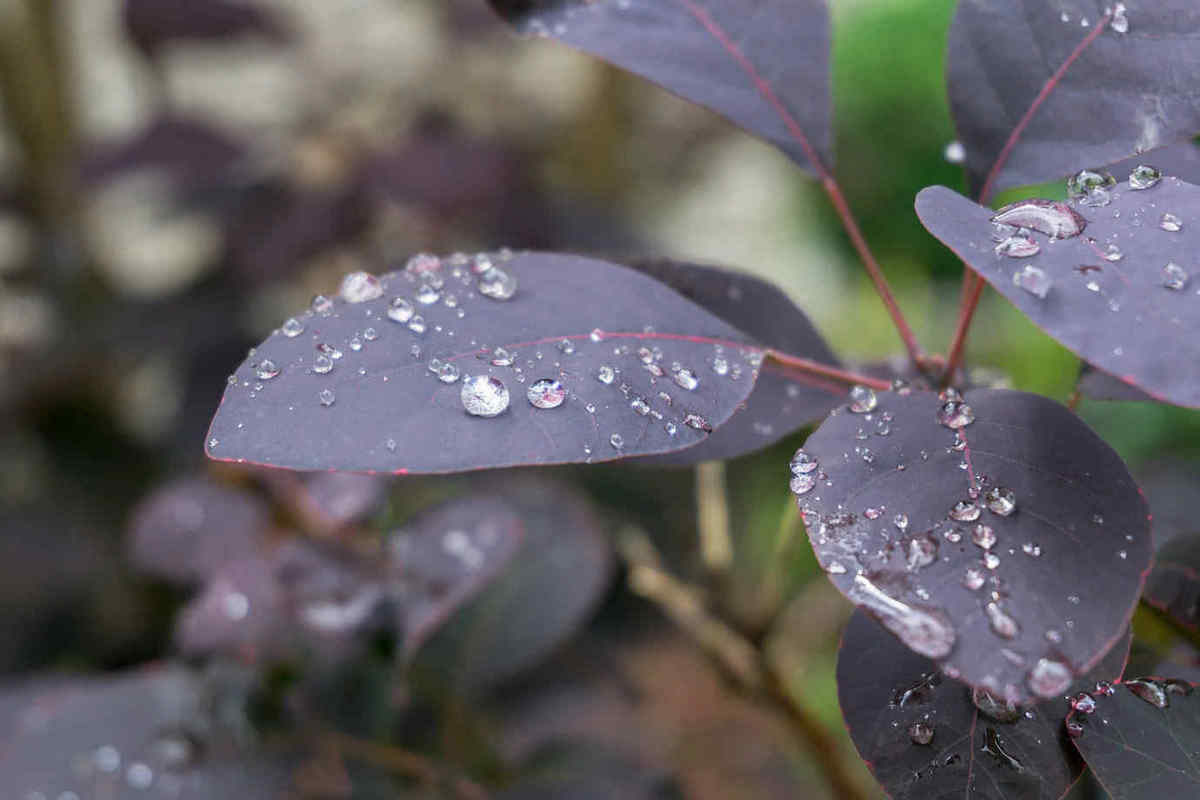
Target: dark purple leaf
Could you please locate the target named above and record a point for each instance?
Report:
(1171, 488)
(140, 734)
(766, 69)
(186, 530)
(548, 591)
(151, 24)
(1099, 385)
(378, 407)
(1173, 585)
(1141, 741)
(908, 518)
(1123, 315)
(327, 501)
(783, 400)
(924, 735)
(1181, 160)
(1036, 89)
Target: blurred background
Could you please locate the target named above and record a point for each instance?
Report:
(178, 176)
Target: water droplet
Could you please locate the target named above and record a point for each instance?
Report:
(566, 347)
(356, 343)
(1098, 519)
(1000, 501)
(685, 378)
(497, 284)
(1049, 678)
(606, 374)
(1143, 177)
(1084, 703)
(991, 560)
(802, 484)
(596, 335)
(1150, 691)
(322, 364)
(266, 369)
(835, 568)
(448, 373)
(720, 365)
(1001, 623)
(639, 404)
(1174, 276)
(973, 579)
(955, 153)
(921, 552)
(1119, 22)
(321, 304)
(546, 393)
(326, 397)
(671, 428)
(1051, 218)
(1019, 245)
(1170, 223)
(693, 420)
(984, 536)
(1074, 728)
(400, 310)
(802, 463)
(965, 511)
(1031, 549)
(292, 328)
(1105, 688)
(1092, 286)
(920, 733)
(617, 441)
(927, 631)
(954, 415)
(427, 295)
(139, 776)
(901, 522)
(1033, 280)
(863, 399)
(993, 707)
(484, 396)
(359, 287)
(1090, 187)
(417, 324)
(422, 263)
(1113, 253)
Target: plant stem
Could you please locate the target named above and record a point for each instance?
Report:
(403, 762)
(826, 371)
(830, 184)
(712, 516)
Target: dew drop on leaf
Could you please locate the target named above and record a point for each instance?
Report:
(926, 630)
(802, 484)
(955, 414)
(1001, 622)
(617, 441)
(863, 399)
(484, 396)
(322, 364)
(973, 579)
(1150, 691)
(1019, 245)
(326, 397)
(1000, 501)
(497, 284)
(685, 379)
(965, 511)
(321, 304)
(292, 328)
(546, 393)
(448, 373)
(606, 374)
(1174, 277)
(1084, 703)
(1170, 223)
(802, 463)
(1119, 21)
(993, 707)
(984, 536)
(1143, 177)
(901, 522)
(920, 733)
(1049, 678)
(400, 310)
(359, 287)
(1033, 280)
(1046, 216)
(1090, 187)
(266, 369)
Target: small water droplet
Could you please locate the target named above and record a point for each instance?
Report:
(835, 568)
(1084, 703)
(1090, 187)
(326, 397)
(693, 420)
(991, 560)
(802, 484)
(139, 776)
(427, 295)
(984, 536)
(546, 393)
(802, 463)
(606, 374)
(671, 428)
(973, 579)
(484, 396)
(417, 324)
(920, 733)
(1033, 280)
(421, 264)
(1000, 500)
(901, 522)
(1113, 253)
(292, 328)
(720, 365)
(1031, 549)
(1019, 245)
(1174, 276)
(639, 405)
(685, 379)
(448, 373)
(863, 399)
(400, 310)
(1046, 216)
(1002, 624)
(356, 343)
(965, 511)
(266, 369)
(322, 364)
(359, 287)
(566, 347)
(1119, 21)
(1150, 691)
(954, 414)
(1105, 688)
(1049, 678)
(617, 441)
(321, 304)
(1143, 176)
(497, 284)
(921, 552)
(1170, 223)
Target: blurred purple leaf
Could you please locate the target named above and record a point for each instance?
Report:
(924, 735)
(1037, 90)
(352, 388)
(766, 70)
(1011, 550)
(153, 24)
(1128, 310)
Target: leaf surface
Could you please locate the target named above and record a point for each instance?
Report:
(1030, 87)
(610, 336)
(764, 68)
(1120, 315)
(885, 690)
(1018, 603)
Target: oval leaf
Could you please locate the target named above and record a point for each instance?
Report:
(1037, 87)
(783, 400)
(1141, 742)
(767, 70)
(610, 336)
(924, 736)
(1021, 604)
(1173, 585)
(1124, 315)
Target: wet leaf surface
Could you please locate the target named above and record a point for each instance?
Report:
(1017, 589)
(644, 371)
(783, 400)
(549, 590)
(765, 70)
(1134, 315)
(924, 736)
(1137, 747)
(1124, 93)
(139, 734)
(1173, 585)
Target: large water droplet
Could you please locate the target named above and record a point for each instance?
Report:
(1049, 678)
(1051, 218)
(484, 396)
(1150, 691)
(1000, 500)
(802, 463)
(1002, 624)
(965, 511)
(984, 536)
(1143, 176)
(546, 393)
(1170, 223)
(863, 399)
(685, 378)
(322, 364)
(954, 414)
(1174, 276)
(1090, 187)
(921, 552)
(400, 310)
(359, 287)
(920, 733)
(1033, 280)
(1019, 245)
(927, 631)
(266, 369)
(802, 483)
(497, 284)
(1119, 21)
(292, 328)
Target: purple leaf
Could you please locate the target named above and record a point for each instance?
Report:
(1039, 90)
(924, 735)
(1099, 385)
(186, 530)
(1141, 741)
(1120, 295)
(766, 69)
(1010, 550)
(151, 24)
(1173, 585)
(644, 371)
(783, 400)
